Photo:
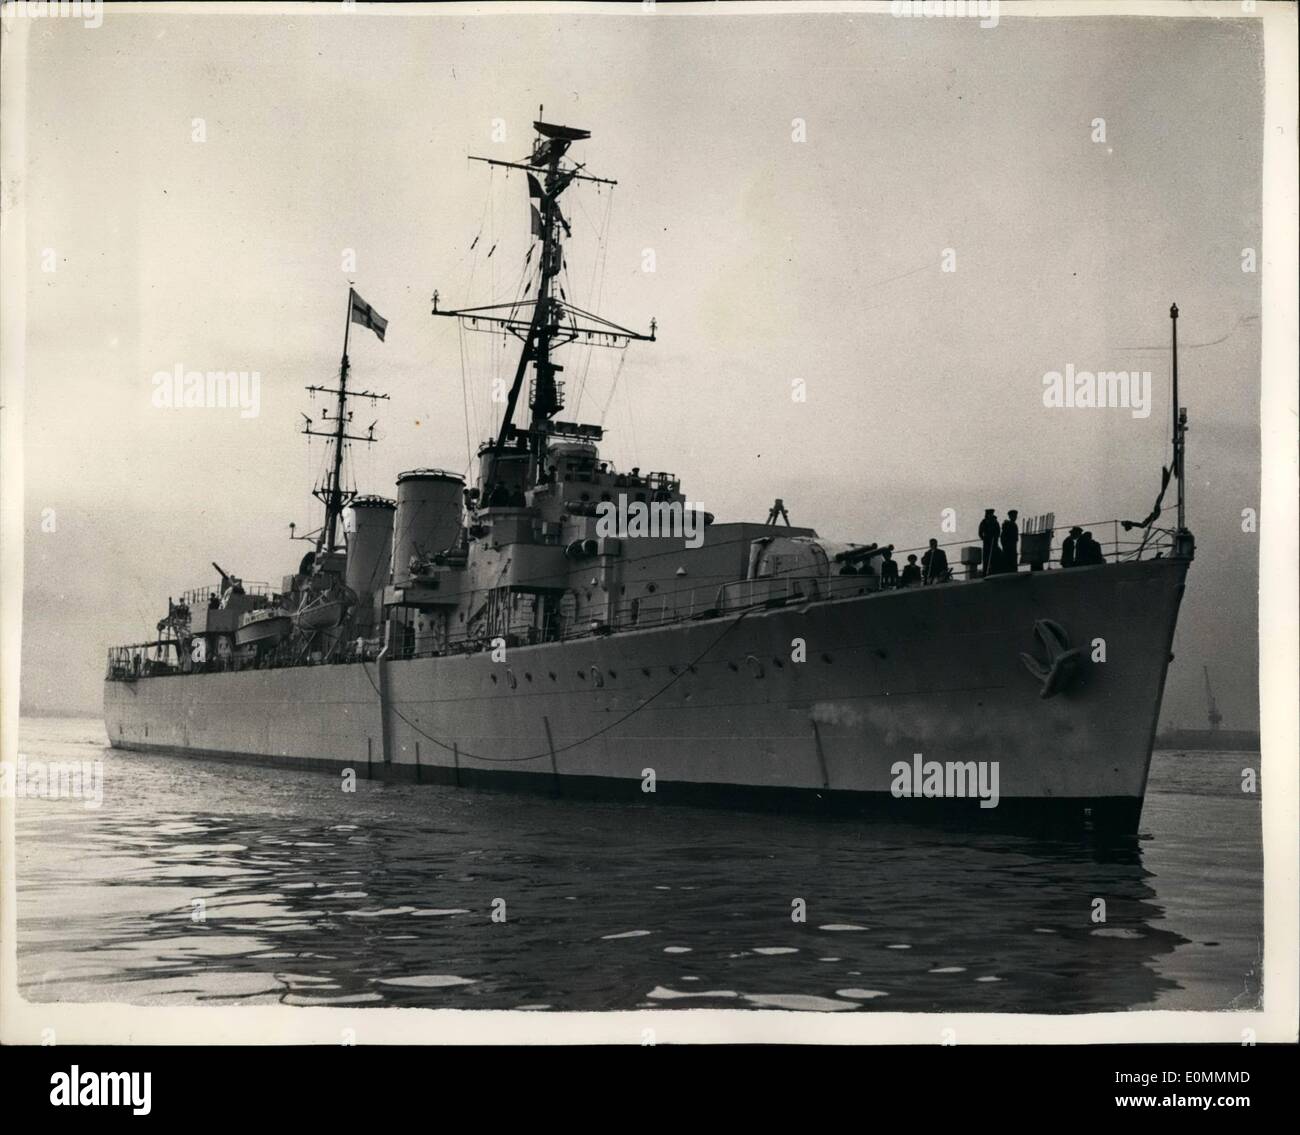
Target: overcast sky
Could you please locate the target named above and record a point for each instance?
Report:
(774, 260)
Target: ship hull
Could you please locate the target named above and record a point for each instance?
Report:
(823, 705)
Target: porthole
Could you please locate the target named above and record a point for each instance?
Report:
(552, 675)
(673, 671)
(776, 661)
(826, 658)
(494, 678)
(527, 676)
(732, 666)
(650, 587)
(582, 675)
(645, 670)
(613, 673)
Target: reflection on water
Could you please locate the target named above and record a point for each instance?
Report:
(216, 883)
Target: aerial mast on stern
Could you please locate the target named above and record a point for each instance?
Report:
(1180, 418)
(1183, 542)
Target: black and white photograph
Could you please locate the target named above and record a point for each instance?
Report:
(649, 523)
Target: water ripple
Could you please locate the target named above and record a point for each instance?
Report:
(199, 883)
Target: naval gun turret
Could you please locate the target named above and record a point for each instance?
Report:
(230, 584)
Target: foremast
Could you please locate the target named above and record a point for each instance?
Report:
(548, 320)
(331, 492)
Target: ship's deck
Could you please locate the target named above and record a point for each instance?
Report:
(132, 663)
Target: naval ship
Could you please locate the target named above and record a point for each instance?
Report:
(566, 626)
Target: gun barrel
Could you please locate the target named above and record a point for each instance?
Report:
(858, 555)
(221, 571)
(855, 554)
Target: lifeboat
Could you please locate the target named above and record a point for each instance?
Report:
(263, 628)
(324, 610)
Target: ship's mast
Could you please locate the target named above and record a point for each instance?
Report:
(553, 320)
(332, 494)
(1180, 422)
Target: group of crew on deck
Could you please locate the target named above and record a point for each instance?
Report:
(1000, 547)
(1000, 544)
(933, 568)
(1079, 549)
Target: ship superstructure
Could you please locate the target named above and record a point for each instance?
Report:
(565, 624)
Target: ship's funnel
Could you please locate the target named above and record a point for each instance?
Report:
(429, 506)
(368, 525)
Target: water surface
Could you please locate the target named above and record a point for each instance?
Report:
(216, 883)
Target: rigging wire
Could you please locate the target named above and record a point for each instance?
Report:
(464, 394)
(596, 292)
(517, 297)
(622, 358)
(493, 359)
(496, 347)
(470, 405)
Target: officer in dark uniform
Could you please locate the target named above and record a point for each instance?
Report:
(1069, 546)
(935, 563)
(1010, 540)
(989, 539)
(888, 569)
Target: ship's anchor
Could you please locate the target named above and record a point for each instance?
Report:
(1062, 661)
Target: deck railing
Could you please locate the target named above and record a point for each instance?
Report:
(200, 596)
(663, 609)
